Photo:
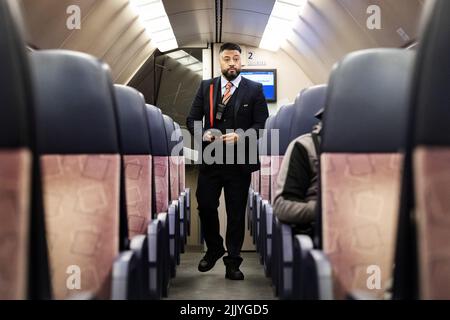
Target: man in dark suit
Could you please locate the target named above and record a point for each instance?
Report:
(237, 103)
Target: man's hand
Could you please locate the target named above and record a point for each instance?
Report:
(208, 137)
(230, 138)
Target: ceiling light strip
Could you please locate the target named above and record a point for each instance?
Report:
(154, 18)
(280, 23)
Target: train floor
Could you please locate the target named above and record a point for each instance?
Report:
(190, 284)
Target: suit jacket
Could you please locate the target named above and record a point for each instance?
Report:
(250, 108)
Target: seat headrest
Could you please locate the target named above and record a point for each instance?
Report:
(172, 137)
(15, 93)
(283, 122)
(264, 143)
(133, 124)
(75, 104)
(269, 122)
(158, 136)
(307, 104)
(431, 93)
(367, 102)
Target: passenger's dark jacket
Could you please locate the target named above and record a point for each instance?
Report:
(297, 185)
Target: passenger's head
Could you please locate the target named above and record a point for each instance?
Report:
(230, 60)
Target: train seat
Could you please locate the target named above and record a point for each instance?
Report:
(160, 159)
(160, 185)
(363, 139)
(422, 259)
(23, 254)
(173, 210)
(80, 154)
(136, 149)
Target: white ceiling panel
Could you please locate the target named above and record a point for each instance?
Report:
(245, 21)
(259, 6)
(241, 38)
(193, 21)
(195, 26)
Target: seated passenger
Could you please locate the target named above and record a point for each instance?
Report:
(297, 185)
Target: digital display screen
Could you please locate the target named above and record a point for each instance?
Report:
(268, 78)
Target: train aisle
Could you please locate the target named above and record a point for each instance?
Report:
(192, 285)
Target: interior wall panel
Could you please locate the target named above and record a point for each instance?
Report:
(110, 30)
(46, 20)
(96, 22)
(134, 64)
(193, 22)
(301, 61)
(394, 14)
(131, 46)
(329, 29)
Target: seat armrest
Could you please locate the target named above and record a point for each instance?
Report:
(255, 219)
(176, 204)
(319, 277)
(286, 271)
(183, 222)
(155, 247)
(124, 276)
(258, 203)
(268, 211)
(249, 210)
(188, 197)
(187, 204)
(361, 295)
(137, 244)
(164, 248)
(302, 246)
(83, 296)
(172, 215)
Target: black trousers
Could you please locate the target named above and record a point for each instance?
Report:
(236, 184)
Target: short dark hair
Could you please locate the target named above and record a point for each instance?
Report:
(230, 46)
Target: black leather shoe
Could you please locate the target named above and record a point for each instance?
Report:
(209, 260)
(232, 268)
